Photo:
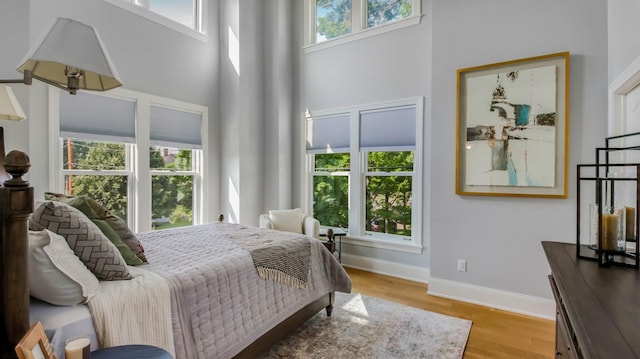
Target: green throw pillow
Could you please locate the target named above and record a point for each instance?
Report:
(120, 227)
(84, 205)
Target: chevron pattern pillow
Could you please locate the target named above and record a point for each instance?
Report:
(87, 241)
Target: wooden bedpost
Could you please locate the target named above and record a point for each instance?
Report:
(16, 204)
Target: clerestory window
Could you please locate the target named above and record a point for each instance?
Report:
(186, 16)
(344, 20)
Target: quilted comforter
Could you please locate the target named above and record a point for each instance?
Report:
(219, 303)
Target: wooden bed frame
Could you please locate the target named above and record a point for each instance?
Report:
(16, 204)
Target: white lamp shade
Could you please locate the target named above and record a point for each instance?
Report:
(9, 107)
(72, 44)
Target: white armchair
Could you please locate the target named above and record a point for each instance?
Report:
(291, 220)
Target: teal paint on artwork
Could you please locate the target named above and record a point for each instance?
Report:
(522, 114)
(513, 174)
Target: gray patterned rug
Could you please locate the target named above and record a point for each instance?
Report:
(365, 327)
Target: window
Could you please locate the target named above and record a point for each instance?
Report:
(99, 170)
(331, 189)
(181, 11)
(99, 155)
(185, 16)
(346, 20)
(368, 182)
(333, 19)
(383, 11)
(172, 178)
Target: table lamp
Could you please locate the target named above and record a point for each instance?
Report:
(9, 106)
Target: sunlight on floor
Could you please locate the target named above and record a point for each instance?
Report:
(358, 310)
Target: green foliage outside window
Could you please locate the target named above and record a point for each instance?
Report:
(331, 193)
(383, 11)
(388, 207)
(170, 194)
(333, 18)
(109, 190)
(388, 197)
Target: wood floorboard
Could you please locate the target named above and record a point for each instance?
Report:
(495, 333)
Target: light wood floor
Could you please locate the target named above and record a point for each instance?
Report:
(494, 334)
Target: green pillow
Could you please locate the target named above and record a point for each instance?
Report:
(120, 227)
(84, 205)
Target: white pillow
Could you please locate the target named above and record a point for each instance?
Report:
(289, 220)
(56, 275)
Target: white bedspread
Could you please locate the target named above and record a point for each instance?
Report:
(136, 311)
(219, 303)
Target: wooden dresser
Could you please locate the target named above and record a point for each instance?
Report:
(598, 309)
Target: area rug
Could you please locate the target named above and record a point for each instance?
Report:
(365, 327)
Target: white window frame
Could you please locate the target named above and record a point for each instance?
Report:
(198, 32)
(358, 25)
(136, 156)
(357, 181)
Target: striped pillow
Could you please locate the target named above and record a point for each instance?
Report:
(87, 241)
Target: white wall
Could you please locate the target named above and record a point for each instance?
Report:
(500, 237)
(256, 107)
(14, 40)
(624, 42)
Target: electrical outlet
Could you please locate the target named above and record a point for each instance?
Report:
(462, 265)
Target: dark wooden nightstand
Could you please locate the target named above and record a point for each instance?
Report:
(330, 243)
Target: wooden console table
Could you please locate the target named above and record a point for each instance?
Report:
(598, 309)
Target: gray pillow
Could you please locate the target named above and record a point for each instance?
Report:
(87, 241)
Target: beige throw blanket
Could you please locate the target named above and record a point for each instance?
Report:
(136, 311)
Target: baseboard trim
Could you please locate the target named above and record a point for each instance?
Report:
(392, 269)
(494, 298)
(488, 297)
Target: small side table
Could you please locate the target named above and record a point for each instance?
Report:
(330, 242)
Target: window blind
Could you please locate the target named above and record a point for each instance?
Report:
(391, 129)
(328, 134)
(98, 118)
(175, 128)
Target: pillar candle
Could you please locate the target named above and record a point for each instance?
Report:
(630, 218)
(78, 348)
(610, 231)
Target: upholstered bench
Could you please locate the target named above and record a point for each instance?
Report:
(131, 352)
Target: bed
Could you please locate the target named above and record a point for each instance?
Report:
(214, 295)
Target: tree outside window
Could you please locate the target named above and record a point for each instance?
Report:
(172, 187)
(331, 189)
(388, 192)
(99, 170)
(335, 18)
(383, 11)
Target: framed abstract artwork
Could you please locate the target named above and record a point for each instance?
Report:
(513, 128)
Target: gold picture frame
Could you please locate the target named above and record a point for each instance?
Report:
(35, 344)
(512, 131)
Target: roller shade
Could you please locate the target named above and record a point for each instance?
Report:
(328, 134)
(175, 128)
(392, 129)
(96, 117)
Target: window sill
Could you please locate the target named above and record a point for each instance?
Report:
(363, 34)
(384, 244)
(159, 19)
